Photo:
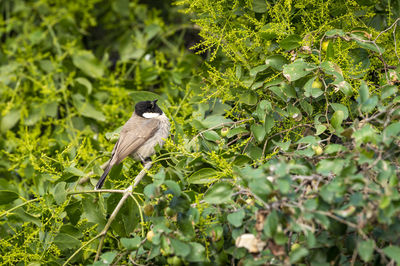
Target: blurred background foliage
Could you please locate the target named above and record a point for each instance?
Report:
(285, 131)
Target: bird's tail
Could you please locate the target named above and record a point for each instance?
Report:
(103, 176)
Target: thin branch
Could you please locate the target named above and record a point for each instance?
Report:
(7, 212)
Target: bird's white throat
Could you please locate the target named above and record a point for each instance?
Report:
(151, 115)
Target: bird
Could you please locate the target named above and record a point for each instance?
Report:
(147, 127)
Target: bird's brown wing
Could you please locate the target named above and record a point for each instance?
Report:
(133, 134)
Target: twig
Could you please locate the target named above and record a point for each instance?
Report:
(18, 206)
(127, 193)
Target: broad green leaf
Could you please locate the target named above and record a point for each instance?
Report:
(249, 98)
(291, 42)
(235, 131)
(10, 120)
(259, 6)
(271, 224)
(7, 196)
(88, 63)
(261, 187)
(341, 107)
(391, 131)
(337, 119)
(139, 96)
(131, 243)
(150, 190)
(320, 129)
(197, 253)
(180, 248)
(255, 70)
(297, 70)
(370, 104)
(297, 254)
(311, 90)
(370, 46)
(214, 120)
(108, 257)
(308, 108)
(388, 91)
(363, 92)
(334, 148)
(219, 193)
(211, 135)
(203, 176)
(73, 170)
(86, 83)
(86, 109)
(174, 187)
(366, 249)
(258, 131)
(276, 62)
(60, 195)
(343, 86)
(65, 241)
(365, 134)
(393, 252)
(236, 218)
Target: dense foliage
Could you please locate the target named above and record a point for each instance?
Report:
(285, 132)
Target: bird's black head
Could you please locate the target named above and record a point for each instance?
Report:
(148, 109)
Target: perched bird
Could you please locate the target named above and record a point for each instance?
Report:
(147, 127)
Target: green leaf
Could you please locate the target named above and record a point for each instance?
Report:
(236, 218)
(60, 195)
(86, 83)
(73, 170)
(366, 249)
(86, 109)
(391, 131)
(388, 91)
(297, 70)
(308, 140)
(203, 176)
(369, 105)
(197, 253)
(259, 6)
(276, 62)
(343, 86)
(211, 135)
(298, 254)
(108, 257)
(131, 243)
(88, 63)
(341, 107)
(320, 129)
(291, 42)
(271, 224)
(174, 187)
(10, 120)
(255, 70)
(219, 193)
(258, 131)
(65, 241)
(7, 196)
(370, 46)
(363, 92)
(249, 98)
(180, 248)
(337, 119)
(310, 90)
(214, 121)
(393, 252)
(364, 135)
(139, 96)
(235, 131)
(150, 190)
